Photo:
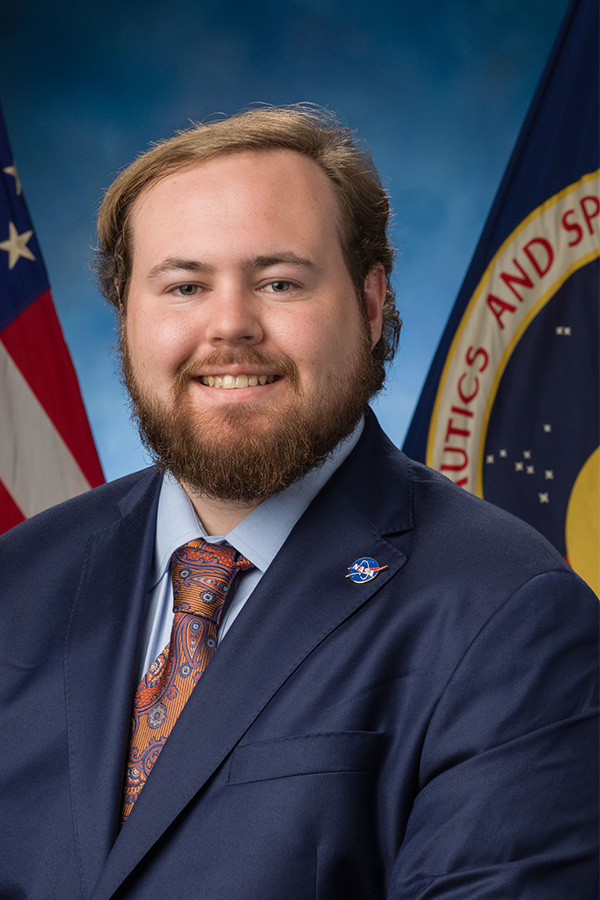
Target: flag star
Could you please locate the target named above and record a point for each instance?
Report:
(530, 470)
(518, 467)
(12, 170)
(16, 245)
(526, 454)
(559, 329)
(503, 453)
(549, 474)
(489, 458)
(567, 330)
(547, 428)
(544, 498)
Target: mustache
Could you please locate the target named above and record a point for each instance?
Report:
(250, 356)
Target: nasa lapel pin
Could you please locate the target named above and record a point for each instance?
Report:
(364, 569)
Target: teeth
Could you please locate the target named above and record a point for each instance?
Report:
(231, 382)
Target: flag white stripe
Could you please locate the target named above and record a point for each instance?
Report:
(36, 466)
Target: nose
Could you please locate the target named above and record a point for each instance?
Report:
(233, 317)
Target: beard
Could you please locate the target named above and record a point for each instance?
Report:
(244, 453)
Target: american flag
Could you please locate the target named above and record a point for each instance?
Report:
(47, 453)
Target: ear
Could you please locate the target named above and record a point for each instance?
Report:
(374, 294)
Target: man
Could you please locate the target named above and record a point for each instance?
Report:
(402, 700)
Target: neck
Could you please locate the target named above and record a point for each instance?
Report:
(218, 516)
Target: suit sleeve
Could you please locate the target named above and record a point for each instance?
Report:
(507, 800)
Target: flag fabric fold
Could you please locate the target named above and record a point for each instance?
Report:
(510, 407)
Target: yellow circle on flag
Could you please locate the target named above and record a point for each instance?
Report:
(582, 526)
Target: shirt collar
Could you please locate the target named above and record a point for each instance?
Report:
(261, 534)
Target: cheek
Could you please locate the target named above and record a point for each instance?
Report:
(327, 347)
(158, 343)
(338, 341)
(302, 334)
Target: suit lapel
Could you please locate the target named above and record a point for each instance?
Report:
(302, 598)
(100, 660)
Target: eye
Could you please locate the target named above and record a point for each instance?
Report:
(186, 290)
(279, 287)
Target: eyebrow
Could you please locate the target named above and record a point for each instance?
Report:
(274, 259)
(174, 263)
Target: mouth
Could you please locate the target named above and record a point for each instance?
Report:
(235, 382)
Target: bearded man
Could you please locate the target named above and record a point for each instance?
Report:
(285, 661)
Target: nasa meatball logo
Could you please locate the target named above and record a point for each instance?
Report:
(364, 569)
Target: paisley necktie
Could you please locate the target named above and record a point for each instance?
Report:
(202, 575)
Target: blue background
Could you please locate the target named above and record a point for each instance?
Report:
(438, 90)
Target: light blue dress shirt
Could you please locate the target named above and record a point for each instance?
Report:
(258, 537)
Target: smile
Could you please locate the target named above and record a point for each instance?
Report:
(232, 382)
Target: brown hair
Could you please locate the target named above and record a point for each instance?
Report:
(311, 131)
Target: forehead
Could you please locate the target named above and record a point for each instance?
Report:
(263, 191)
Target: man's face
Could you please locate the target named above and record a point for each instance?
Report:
(245, 348)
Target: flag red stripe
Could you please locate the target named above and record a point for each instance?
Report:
(35, 342)
(10, 514)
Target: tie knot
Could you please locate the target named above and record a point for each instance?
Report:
(202, 575)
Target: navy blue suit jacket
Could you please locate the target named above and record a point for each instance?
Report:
(427, 734)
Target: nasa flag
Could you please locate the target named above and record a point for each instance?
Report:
(47, 452)
(510, 407)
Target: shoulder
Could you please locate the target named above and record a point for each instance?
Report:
(72, 521)
(46, 558)
(493, 580)
(449, 516)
